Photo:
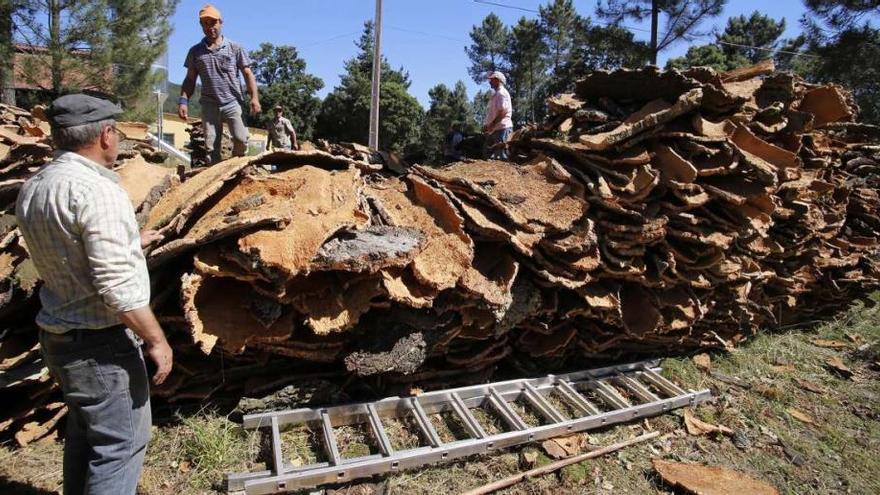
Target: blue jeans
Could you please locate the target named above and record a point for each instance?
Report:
(213, 118)
(499, 136)
(106, 389)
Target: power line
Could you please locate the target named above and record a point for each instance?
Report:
(423, 33)
(507, 6)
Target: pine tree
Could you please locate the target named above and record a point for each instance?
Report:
(489, 48)
(758, 31)
(283, 80)
(526, 56)
(345, 111)
(446, 108)
(139, 31)
(683, 18)
(558, 23)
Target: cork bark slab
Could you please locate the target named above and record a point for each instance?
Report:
(448, 250)
(320, 203)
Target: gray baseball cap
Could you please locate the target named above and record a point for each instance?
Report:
(78, 109)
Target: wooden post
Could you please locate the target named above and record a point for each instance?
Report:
(377, 75)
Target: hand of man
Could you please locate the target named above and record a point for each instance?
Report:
(182, 111)
(255, 106)
(163, 357)
(150, 236)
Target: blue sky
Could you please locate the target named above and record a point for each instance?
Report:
(425, 37)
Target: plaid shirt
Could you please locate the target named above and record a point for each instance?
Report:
(82, 236)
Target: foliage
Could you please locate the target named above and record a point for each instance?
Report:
(489, 48)
(558, 23)
(345, 112)
(840, 15)
(447, 108)
(107, 46)
(527, 70)
(761, 33)
(758, 30)
(683, 18)
(283, 80)
(600, 47)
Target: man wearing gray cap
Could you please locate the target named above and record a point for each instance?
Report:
(82, 236)
(499, 122)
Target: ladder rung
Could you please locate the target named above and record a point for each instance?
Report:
(637, 388)
(475, 429)
(662, 383)
(277, 458)
(576, 399)
(504, 410)
(329, 439)
(379, 431)
(608, 394)
(544, 407)
(425, 423)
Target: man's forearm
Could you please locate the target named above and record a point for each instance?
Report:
(251, 81)
(143, 322)
(188, 87)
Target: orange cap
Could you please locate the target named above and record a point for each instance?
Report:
(210, 12)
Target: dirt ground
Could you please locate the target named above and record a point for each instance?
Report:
(797, 423)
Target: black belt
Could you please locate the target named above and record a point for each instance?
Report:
(80, 334)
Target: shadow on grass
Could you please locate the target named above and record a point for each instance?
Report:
(19, 488)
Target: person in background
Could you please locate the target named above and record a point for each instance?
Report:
(499, 121)
(452, 142)
(83, 238)
(281, 132)
(217, 62)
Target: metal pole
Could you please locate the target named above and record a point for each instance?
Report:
(377, 74)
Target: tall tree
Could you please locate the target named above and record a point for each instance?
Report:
(840, 15)
(139, 31)
(682, 18)
(283, 80)
(488, 49)
(345, 111)
(599, 47)
(7, 52)
(446, 107)
(558, 21)
(754, 38)
(67, 45)
(706, 56)
(526, 57)
(104, 45)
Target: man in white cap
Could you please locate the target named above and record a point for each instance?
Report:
(217, 61)
(83, 238)
(499, 122)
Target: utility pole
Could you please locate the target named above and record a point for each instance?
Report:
(377, 74)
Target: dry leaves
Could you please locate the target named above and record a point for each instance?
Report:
(768, 391)
(829, 344)
(703, 361)
(560, 448)
(710, 480)
(801, 416)
(810, 386)
(697, 426)
(836, 365)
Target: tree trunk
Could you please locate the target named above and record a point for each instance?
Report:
(655, 15)
(7, 60)
(55, 47)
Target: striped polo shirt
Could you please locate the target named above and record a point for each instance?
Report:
(219, 69)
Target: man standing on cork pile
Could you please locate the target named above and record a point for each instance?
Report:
(83, 238)
(217, 61)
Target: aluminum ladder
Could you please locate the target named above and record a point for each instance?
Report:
(593, 398)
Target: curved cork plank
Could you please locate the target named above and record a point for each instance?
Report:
(178, 204)
(223, 311)
(448, 251)
(320, 203)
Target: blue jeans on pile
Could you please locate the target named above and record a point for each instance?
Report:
(105, 386)
(499, 136)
